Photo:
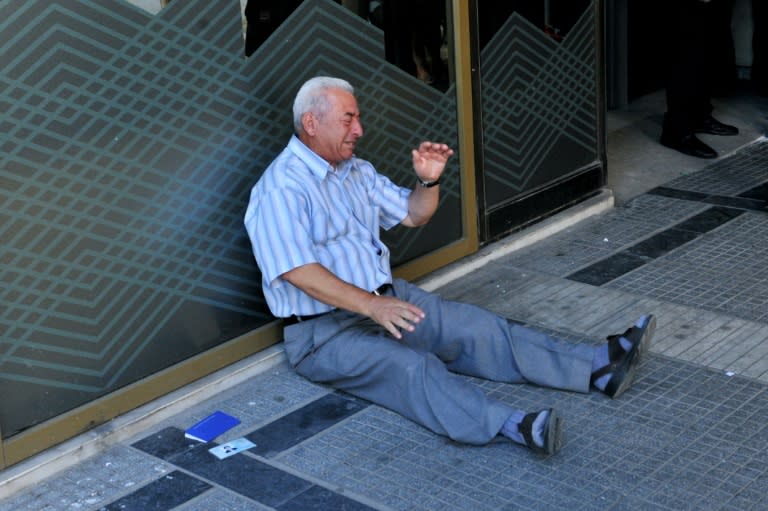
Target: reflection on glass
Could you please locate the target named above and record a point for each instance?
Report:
(151, 6)
(262, 17)
(555, 17)
(416, 32)
(415, 37)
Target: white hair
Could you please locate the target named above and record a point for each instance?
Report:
(312, 97)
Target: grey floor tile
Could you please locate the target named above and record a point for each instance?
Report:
(91, 484)
(221, 500)
(678, 420)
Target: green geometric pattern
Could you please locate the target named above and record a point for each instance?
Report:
(130, 144)
(539, 106)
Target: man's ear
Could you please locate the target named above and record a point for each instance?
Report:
(309, 123)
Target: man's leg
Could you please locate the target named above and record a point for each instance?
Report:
(364, 360)
(474, 341)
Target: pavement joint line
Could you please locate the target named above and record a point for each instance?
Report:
(675, 319)
(600, 203)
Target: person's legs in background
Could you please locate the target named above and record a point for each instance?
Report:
(694, 62)
(760, 47)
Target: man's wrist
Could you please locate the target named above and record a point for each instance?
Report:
(428, 184)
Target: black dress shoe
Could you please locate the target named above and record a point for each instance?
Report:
(689, 145)
(712, 126)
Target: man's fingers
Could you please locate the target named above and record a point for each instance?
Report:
(396, 326)
(394, 331)
(406, 323)
(397, 316)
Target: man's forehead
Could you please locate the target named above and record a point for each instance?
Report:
(344, 103)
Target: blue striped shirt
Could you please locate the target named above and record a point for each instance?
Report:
(301, 211)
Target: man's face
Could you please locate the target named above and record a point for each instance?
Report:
(334, 134)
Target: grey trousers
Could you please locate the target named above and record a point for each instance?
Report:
(414, 376)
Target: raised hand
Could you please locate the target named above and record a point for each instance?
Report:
(429, 160)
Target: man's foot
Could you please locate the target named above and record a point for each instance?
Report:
(689, 145)
(543, 432)
(623, 353)
(712, 126)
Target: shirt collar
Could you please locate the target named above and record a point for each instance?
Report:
(317, 165)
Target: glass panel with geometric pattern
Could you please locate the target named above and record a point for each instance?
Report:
(131, 142)
(539, 98)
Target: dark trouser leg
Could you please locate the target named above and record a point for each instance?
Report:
(690, 32)
(760, 46)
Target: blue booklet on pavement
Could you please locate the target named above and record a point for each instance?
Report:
(211, 427)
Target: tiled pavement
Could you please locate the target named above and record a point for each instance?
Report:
(691, 434)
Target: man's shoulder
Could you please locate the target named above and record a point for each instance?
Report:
(286, 169)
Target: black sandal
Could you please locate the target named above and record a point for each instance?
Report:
(554, 436)
(623, 364)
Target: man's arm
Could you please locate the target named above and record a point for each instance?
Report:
(429, 161)
(319, 283)
(315, 280)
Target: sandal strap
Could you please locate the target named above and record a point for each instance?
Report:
(615, 350)
(632, 334)
(607, 369)
(616, 354)
(526, 429)
(552, 433)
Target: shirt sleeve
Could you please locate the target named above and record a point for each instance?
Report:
(391, 199)
(279, 233)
